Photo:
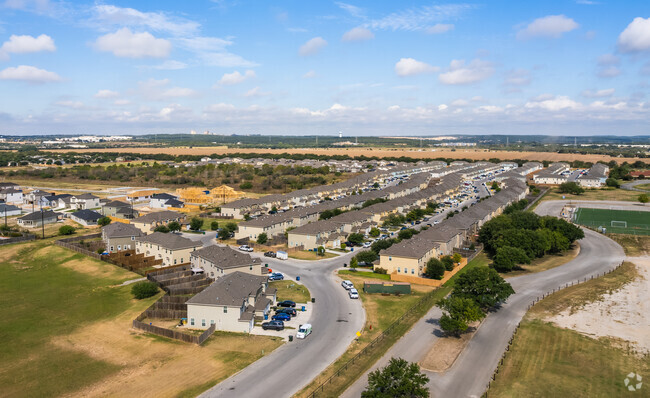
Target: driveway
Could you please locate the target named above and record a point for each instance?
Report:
(291, 327)
(470, 374)
(335, 320)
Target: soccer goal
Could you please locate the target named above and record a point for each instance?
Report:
(619, 224)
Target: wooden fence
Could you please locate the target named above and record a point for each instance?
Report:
(16, 239)
(174, 334)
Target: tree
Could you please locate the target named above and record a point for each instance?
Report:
(224, 234)
(262, 238)
(483, 285)
(161, 228)
(435, 269)
(457, 258)
(612, 182)
(381, 244)
(571, 187)
(507, 257)
(196, 223)
(354, 263)
(495, 185)
(214, 225)
(367, 256)
(142, 290)
(448, 262)
(247, 217)
(374, 232)
(231, 227)
(459, 312)
(174, 226)
(355, 238)
(320, 251)
(246, 185)
(398, 379)
(104, 221)
(405, 233)
(643, 198)
(66, 230)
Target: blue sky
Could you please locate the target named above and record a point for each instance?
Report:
(318, 67)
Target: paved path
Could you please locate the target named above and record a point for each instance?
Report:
(631, 186)
(471, 372)
(132, 281)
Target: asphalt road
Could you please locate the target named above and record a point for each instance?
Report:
(471, 372)
(335, 320)
(631, 186)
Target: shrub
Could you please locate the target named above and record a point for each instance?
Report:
(104, 221)
(196, 223)
(262, 238)
(435, 269)
(448, 262)
(246, 185)
(161, 228)
(379, 270)
(142, 290)
(66, 230)
(214, 225)
(174, 226)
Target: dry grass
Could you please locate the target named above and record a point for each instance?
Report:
(594, 194)
(444, 351)
(307, 255)
(634, 245)
(547, 262)
(474, 154)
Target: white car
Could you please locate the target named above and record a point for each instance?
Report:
(347, 285)
(353, 293)
(245, 248)
(367, 245)
(303, 331)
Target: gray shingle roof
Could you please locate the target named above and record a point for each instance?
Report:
(120, 230)
(159, 216)
(35, 216)
(225, 257)
(169, 241)
(87, 215)
(229, 290)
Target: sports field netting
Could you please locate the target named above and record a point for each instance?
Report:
(615, 221)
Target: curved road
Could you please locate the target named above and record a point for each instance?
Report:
(335, 319)
(470, 374)
(631, 186)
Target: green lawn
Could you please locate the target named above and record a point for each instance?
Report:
(594, 194)
(370, 275)
(291, 290)
(41, 299)
(207, 222)
(615, 221)
(548, 361)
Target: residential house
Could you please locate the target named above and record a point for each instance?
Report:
(164, 201)
(218, 261)
(553, 175)
(9, 210)
(171, 248)
(149, 222)
(409, 257)
(595, 176)
(11, 194)
(38, 218)
(86, 217)
(119, 236)
(36, 198)
(231, 303)
(324, 233)
(85, 201)
(118, 209)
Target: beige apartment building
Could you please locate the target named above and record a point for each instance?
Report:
(218, 261)
(149, 222)
(172, 249)
(119, 236)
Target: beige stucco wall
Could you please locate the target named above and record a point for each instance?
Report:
(124, 243)
(169, 257)
(307, 241)
(228, 321)
(214, 272)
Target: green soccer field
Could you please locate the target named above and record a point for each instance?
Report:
(615, 221)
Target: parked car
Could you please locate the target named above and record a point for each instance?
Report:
(287, 303)
(245, 248)
(276, 276)
(275, 325)
(304, 331)
(281, 317)
(288, 310)
(353, 293)
(269, 254)
(436, 222)
(366, 245)
(347, 285)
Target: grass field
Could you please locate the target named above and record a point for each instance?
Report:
(67, 332)
(545, 263)
(615, 221)
(548, 361)
(381, 311)
(309, 255)
(290, 290)
(594, 194)
(634, 245)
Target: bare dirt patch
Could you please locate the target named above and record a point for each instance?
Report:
(445, 350)
(473, 154)
(622, 314)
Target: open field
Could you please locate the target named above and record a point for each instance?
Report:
(643, 186)
(548, 361)
(68, 332)
(474, 154)
(615, 221)
(545, 263)
(381, 311)
(594, 194)
(291, 290)
(634, 245)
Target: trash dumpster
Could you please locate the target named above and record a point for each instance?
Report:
(291, 338)
(304, 308)
(313, 300)
(266, 317)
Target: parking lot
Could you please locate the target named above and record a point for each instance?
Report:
(290, 327)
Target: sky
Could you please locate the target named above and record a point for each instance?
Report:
(393, 68)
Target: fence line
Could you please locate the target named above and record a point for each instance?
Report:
(16, 239)
(535, 301)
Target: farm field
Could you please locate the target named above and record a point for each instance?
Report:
(546, 360)
(69, 323)
(474, 154)
(615, 221)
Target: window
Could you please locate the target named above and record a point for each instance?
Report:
(225, 309)
(174, 261)
(211, 321)
(133, 238)
(399, 269)
(390, 258)
(412, 270)
(250, 267)
(111, 248)
(119, 247)
(192, 321)
(202, 322)
(181, 260)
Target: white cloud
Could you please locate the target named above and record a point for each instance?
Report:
(121, 102)
(551, 103)
(411, 67)
(608, 59)
(418, 18)
(488, 109)
(229, 79)
(517, 77)
(552, 26)
(158, 90)
(352, 10)
(309, 75)
(127, 44)
(70, 104)
(358, 34)
(440, 28)
(28, 44)
(610, 71)
(313, 46)
(598, 93)
(459, 103)
(256, 92)
(29, 74)
(635, 37)
(461, 73)
(107, 16)
(104, 94)
(442, 107)
(226, 60)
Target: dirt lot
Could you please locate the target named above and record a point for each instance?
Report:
(474, 154)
